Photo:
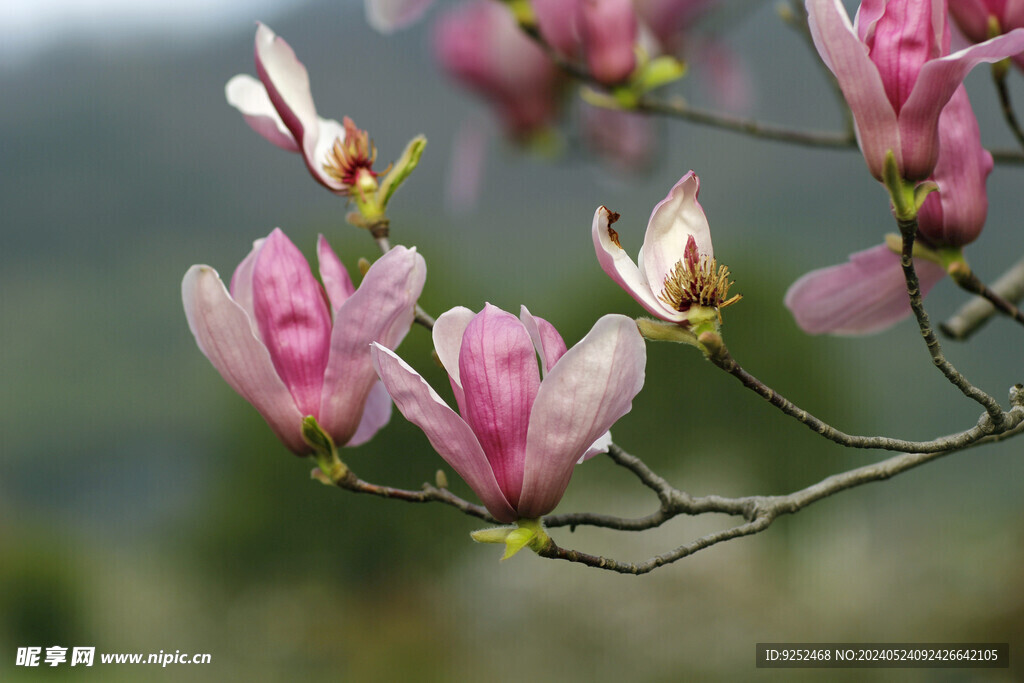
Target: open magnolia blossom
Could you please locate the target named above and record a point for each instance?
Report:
(292, 351)
(517, 437)
(894, 68)
(869, 293)
(676, 277)
(279, 106)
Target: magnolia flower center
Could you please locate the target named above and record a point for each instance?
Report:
(350, 161)
(697, 280)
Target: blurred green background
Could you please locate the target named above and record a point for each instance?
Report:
(145, 507)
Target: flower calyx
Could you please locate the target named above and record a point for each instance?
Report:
(526, 533)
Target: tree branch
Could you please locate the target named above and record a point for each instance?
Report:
(719, 355)
(761, 511)
(908, 230)
(976, 312)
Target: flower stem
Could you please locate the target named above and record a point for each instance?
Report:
(908, 229)
(999, 72)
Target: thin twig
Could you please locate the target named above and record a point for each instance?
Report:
(761, 511)
(908, 230)
(967, 280)
(719, 355)
(428, 494)
(678, 108)
(1007, 156)
(999, 71)
(972, 315)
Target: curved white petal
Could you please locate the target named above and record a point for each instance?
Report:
(620, 268)
(247, 95)
(674, 220)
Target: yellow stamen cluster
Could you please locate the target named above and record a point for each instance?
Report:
(700, 283)
(350, 161)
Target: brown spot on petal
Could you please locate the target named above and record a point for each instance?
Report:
(612, 235)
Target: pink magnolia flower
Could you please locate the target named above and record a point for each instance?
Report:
(868, 293)
(603, 32)
(608, 31)
(676, 270)
(517, 437)
(480, 45)
(279, 106)
(973, 17)
(897, 75)
(292, 351)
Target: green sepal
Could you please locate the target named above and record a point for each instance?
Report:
(658, 72)
(527, 533)
(660, 330)
(598, 98)
(523, 12)
(491, 535)
(324, 451)
(400, 171)
(516, 540)
(922, 191)
(901, 192)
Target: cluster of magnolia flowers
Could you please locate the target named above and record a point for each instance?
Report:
(299, 348)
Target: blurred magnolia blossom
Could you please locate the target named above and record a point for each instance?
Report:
(623, 140)
(676, 277)
(294, 348)
(869, 293)
(603, 32)
(388, 16)
(480, 44)
(279, 106)
(982, 19)
(519, 432)
(894, 68)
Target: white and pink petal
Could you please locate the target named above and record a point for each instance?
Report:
(591, 387)
(380, 310)
(247, 95)
(620, 267)
(448, 433)
(224, 334)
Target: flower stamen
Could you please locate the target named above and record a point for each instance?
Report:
(697, 280)
(350, 160)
